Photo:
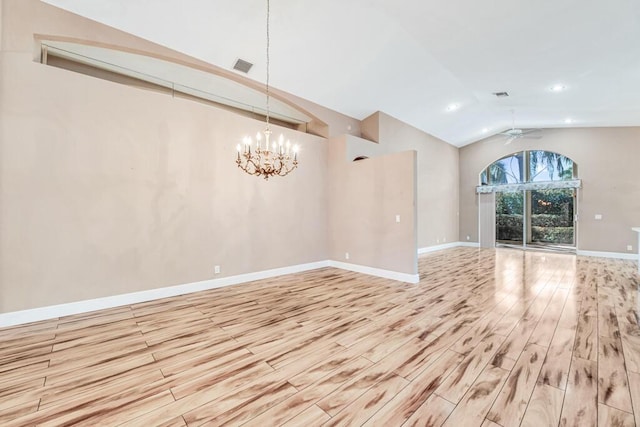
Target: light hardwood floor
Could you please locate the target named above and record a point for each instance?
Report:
(488, 337)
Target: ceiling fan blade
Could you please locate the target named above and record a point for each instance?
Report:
(510, 140)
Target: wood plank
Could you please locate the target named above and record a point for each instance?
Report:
(461, 379)
(514, 344)
(17, 411)
(480, 329)
(302, 400)
(413, 397)
(433, 412)
(328, 365)
(312, 416)
(609, 417)
(634, 387)
(580, 407)
(511, 404)
(92, 392)
(586, 344)
(613, 387)
(544, 407)
(607, 321)
(339, 399)
(555, 368)
(630, 335)
(416, 360)
(476, 403)
(358, 411)
(240, 407)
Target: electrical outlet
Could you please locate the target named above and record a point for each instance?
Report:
(468, 237)
(598, 216)
(397, 218)
(216, 269)
(346, 255)
(629, 247)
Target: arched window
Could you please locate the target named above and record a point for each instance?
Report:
(529, 166)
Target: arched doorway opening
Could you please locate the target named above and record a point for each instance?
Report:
(528, 200)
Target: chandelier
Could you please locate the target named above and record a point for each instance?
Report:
(267, 158)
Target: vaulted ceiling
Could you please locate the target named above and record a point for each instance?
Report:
(430, 63)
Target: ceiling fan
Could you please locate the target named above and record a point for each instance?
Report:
(516, 133)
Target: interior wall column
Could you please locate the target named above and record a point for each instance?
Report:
(487, 221)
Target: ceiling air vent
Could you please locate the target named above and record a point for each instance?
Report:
(501, 94)
(242, 65)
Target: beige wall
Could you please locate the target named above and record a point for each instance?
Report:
(437, 173)
(607, 160)
(364, 199)
(107, 189)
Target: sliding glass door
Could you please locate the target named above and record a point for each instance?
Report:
(537, 218)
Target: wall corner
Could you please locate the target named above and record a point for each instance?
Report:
(370, 127)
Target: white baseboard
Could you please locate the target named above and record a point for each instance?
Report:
(55, 311)
(447, 246)
(619, 255)
(469, 244)
(387, 274)
(68, 309)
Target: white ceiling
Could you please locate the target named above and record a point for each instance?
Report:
(413, 58)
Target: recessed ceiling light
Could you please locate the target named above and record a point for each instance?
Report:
(558, 88)
(453, 107)
(485, 130)
(568, 121)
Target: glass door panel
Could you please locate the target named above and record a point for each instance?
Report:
(509, 218)
(552, 217)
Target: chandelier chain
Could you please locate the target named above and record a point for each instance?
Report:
(268, 46)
